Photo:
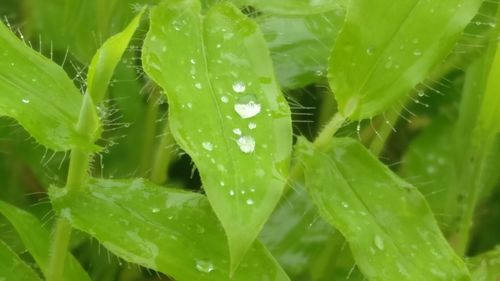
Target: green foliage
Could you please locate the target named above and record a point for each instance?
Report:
(175, 158)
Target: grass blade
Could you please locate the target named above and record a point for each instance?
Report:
(226, 110)
(36, 239)
(378, 59)
(165, 229)
(390, 229)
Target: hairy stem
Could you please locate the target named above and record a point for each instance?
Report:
(163, 156)
(149, 134)
(77, 175)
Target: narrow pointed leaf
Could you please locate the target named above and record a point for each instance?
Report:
(226, 110)
(165, 229)
(107, 57)
(378, 59)
(36, 239)
(390, 229)
(39, 95)
(13, 268)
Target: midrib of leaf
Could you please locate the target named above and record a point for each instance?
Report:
(360, 198)
(382, 54)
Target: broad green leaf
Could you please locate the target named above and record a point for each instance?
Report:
(293, 7)
(36, 239)
(385, 49)
(300, 45)
(107, 57)
(485, 267)
(165, 229)
(226, 110)
(13, 268)
(389, 227)
(40, 96)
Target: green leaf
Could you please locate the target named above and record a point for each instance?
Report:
(385, 49)
(485, 267)
(36, 239)
(226, 110)
(386, 221)
(12, 267)
(300, 45)
(107, 57)
(165, 229)
(40, 96)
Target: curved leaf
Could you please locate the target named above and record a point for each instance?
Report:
(378, 59)
(36, 239)
(12, 267)
(226, 110)
(165, 229)
(106, 58)
(39, 95)
(390, 229)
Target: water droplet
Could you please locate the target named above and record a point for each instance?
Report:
(224, 99)
(379, 242)
(239, 87)
(421, 93)
(389, 63)
(252, 125)
(190, 105)
(345, 205)
(222, 183)
(155, 210)
(246, 144)
(192, 61)
(204, 266)
(249, 202)
(237, 131)
(370, 51)
(231, 192)
(417, 52)
(25, 100)
(208, 146)
(247, 107)
(164, 49)
(198, 86)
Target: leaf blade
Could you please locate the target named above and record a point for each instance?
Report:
(234, 123)
(395, 241)
(12, 267)
(166, 229)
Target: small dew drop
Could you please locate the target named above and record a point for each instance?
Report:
(239, 87)
(247, 107)
(370, 51)
(155, 210)
(231, 193)
(417, 52)
(249, 202)
(224, 99)
(208, 146)
(252, 125)
(246, 144)
(222, 183)
(204, 266)
(379, 242)
(237, 131)
(198, 86)
(345, 205)
(192, 61)
(25, 100)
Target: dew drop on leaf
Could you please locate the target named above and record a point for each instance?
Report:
(207, 145)
(224, 99)
(417, 52)
(237, 131)
(247, 107)
(155, 210)
(204, 266)
(379, 242)
(239, 87)
(252, 125)
(246, 144)
(25, 100)
(249, 202)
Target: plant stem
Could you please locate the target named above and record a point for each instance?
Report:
(77, 175)
(149, 133)
(325, 136)
(163, 156)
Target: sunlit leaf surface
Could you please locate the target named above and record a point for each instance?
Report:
(390, 229)
(226, 110)
(165, 229)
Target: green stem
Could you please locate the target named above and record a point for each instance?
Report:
(325, 136)
(163, 156)
(385, 130)
(149, 133)
(77, 175)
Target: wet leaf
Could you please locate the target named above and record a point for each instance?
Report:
(226, 110)
(40, 96)
(293, 7)
(12, 267)
(36, 239)
(165, 229)
(389, 227)
(104, 62)
(378, 59)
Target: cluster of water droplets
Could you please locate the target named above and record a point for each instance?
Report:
(246, 107)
